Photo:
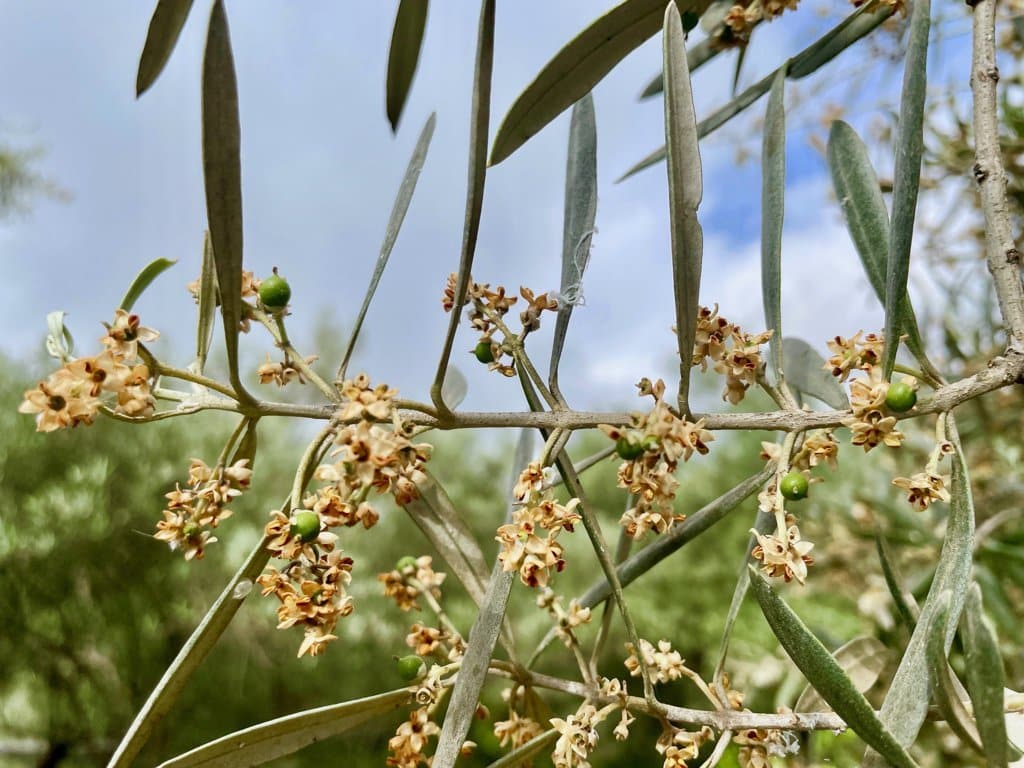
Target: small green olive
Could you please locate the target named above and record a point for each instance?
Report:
(901, 397)
(794, 486)
(275, 292)
(305, 525)
(628, 449)
(406, 562)
(410, 667)
(484, 352)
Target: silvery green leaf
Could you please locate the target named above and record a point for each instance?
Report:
(862, 659)
(906, 177)
(685, 190)
(578, 222)
(143, 280)
(773, 195)
(403, 55)
(805, 372)
(283, 736)
(164, 29)
(207, 304)
(525, 754)
(822, 671)
(985, 679)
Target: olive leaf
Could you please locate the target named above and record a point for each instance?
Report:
(805, 372)
(455, 388)
(403, 55)
(143, 280)
(207, 303)
(773, 195)
(862, 659)
(685, 190)
(906, 178)
(283, 736)
(524, 754)
(578, 223)
(696, 56)
(164, 29)
(822, 671)
(222, 176)
(985, 679)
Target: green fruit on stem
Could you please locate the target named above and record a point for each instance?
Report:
(410, 667)
(901, 397)
(305, 525)
(794, 486)
(628, 449)
(406, 562)
(484, 352)
(275, 292)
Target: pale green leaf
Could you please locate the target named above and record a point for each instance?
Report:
(164, 29)
(773, 195)
(222, 175)
(822, 671)
(579, 66)
(948, 693)
(805, 372)
(283, 736)
(455, 387)
(207, 305)
(394, 226)
(403, 55)
(696, 56)
(685, 190)
(59, 342)
(526, 753)
(862, 659)
(578, 222)
(143, 280)
(985, 679)
(906, 177)
(904, 601)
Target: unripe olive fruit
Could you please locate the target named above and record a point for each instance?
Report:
(900, 397)
(190, 530)
(794, 486)
(628, 449)
(275, 292)
(406, 562)
(484, 353)
(305, 525)
(410, 667)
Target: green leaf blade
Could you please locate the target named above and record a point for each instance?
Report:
(906, 177)
(164, 29)
(773, 194)
(207, 307)
(685, 191)
(578, 223)
(222, 176)
(822, 671)
(805, 372)
(985, 680)
(403, 56)
(143, 280)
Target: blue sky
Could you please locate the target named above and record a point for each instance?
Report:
(320, 169)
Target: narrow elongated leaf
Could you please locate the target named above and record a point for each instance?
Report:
(404, 55)
(479, 122)
(906, 703)
(867, 219)
(805, 371)
(906, 177)
(283, 736)
(985, 680)
(525, 754)
(398, 211)
(862, 659)
(949, 694)
(685, 190)
(143, 280)
(904, 601)
(773, 195)
(579, 66)
(222, 176)
(822, 671)
(823, 50)
(442, 524)
(480, 646)
(696, 56)
(207, 304)
(191, 655)
(578, 226)
(164, 29)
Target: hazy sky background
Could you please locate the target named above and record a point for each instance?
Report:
(320, 169)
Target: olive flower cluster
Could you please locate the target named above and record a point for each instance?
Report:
(370, 458)
(652, 448)
(192, 512)
(529, 543)
(74, 394)
(733, 353)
